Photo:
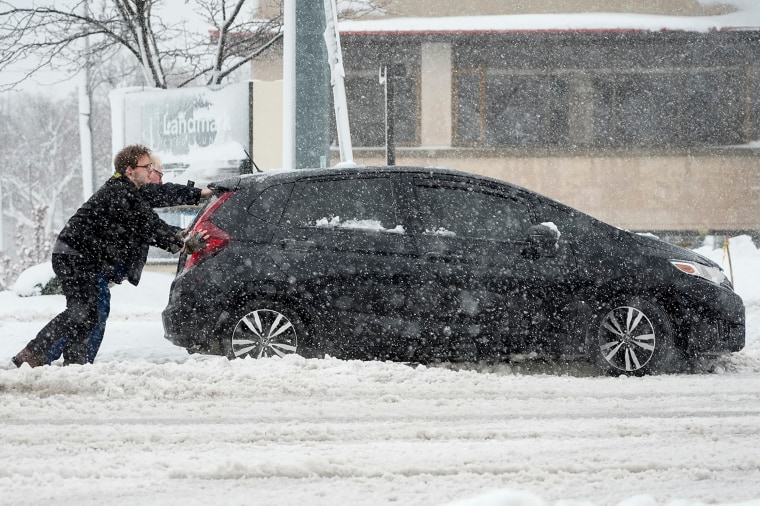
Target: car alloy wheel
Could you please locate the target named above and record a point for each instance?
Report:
(264, 333)
(627, 339)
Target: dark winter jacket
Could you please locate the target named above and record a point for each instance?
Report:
(170, 194)
(112, 229)
(167, 195)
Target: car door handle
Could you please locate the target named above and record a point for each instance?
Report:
(445, 258)
(294, 243)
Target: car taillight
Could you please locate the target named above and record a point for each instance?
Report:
(217, 240)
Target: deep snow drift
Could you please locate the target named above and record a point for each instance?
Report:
(149, 424)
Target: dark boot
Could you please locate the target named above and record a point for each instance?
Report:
(28, 356)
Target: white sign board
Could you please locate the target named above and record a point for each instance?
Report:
(199, 133)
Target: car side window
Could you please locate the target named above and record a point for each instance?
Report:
(463, 211)
(572, 224)
(364, 203)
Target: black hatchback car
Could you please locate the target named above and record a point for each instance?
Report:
(426, 264)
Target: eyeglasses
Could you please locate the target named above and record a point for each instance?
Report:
(150, 168)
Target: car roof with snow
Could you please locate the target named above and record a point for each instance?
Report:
(285, 175)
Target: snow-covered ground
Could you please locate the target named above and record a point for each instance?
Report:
(149, 424)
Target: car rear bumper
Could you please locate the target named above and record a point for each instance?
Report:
(174, 323)
(187, 319)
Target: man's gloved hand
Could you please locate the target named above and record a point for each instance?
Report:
(195, 241)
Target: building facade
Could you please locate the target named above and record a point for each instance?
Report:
(641, 114)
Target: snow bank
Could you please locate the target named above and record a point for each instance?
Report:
(33, 280)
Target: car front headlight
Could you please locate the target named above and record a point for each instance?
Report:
(713, 274)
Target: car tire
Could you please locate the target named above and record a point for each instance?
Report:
(634, 335)
(264, 329)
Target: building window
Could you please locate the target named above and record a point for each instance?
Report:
(470, 120)
(525, 110)
(685, 109)
(495, 109)
(365, 98)
(715, 111)
(632, 109)
(635, 110)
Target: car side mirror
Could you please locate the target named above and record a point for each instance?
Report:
(542, 242)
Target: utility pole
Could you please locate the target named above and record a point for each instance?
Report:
(306, 111)
(2, 218)
(85, 117)
(312, 86)
(289, 85)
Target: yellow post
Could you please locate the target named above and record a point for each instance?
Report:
(727, 253)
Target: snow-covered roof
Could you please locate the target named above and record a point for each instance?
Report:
(746, 17)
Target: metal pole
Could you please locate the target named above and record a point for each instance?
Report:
(388, 74)
(312, 78)
(289, 85)
(2, 218)
(390, 120)
(85, 115)
(337, 80)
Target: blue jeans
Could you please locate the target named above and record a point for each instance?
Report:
(96, 336)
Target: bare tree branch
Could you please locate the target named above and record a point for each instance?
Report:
(169, 53)
(251, 56)
(49, 37)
